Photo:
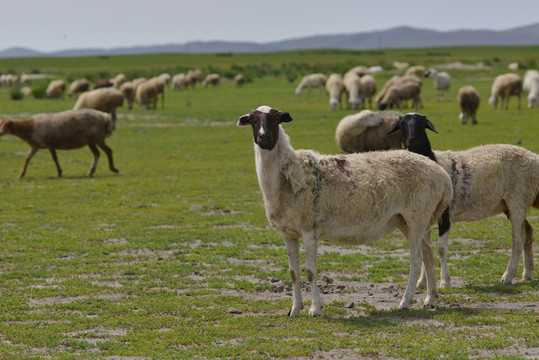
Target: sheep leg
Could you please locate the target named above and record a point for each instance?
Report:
(32, 152)
(518, 232)
(310, 243)
(108, 151)
(55, 158)
(416, 257)
(444, 225)
(428, 263)
(292, 246)
(422, 282)
(95, 151)
(528, 253)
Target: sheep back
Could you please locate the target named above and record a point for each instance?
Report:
(104, 99)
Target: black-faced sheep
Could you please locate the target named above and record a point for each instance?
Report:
(487, 180)
(310, 82)
(442, 83)
(367, 131)
(104, 99)
(345, 199)
(503, 87)
(469, 100)
(78, 86)
(334, 88)
(66, 130)
(56, 89)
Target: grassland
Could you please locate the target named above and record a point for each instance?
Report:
(173, 258)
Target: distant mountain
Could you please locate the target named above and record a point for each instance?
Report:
(399, 37)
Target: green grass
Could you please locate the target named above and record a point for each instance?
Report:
(174, 258)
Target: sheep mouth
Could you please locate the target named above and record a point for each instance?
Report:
(265, 143)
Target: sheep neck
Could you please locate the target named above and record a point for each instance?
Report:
(269, 165)
(23, 129)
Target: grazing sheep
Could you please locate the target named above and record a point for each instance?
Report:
(417, 70)
(513, 66)
(401, 65)
(178, 82)
(211, 79)
(352, 87)
(334, 88)
(138, 81)
(118, 80)
(56, 89)
(239, 80)
(469, 100)
(531, 85)
(367, 131)
(503, 87)
(359, 70)
(399, 92)
(165, 77)
(148, 93)
(66, 130)
(396, 80)
(104, 99)
(310, 82)
(367, 89)
(103, 84)
(345, 199)
(128, 91)
(487, 180)
(442, 83)
(8, 79)
(26, 91)
(78, 86)
(192, 77)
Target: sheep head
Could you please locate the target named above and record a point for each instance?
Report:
(265, 123)
(414, 137)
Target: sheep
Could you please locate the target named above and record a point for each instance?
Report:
(165, 77)
(367, 131)
(401, 65)
(178, 81)
(442, 83)
(469, 100)
(8, 79)
(138, 81)
(487, 180)
(103, 84)
(345, 199)
(503, 87)
(118, 80)
(66, 130)
(192, 77)
(148, 93)
(359, 70)
(128, 91)
(212, 79)
(352, 87)
(531, 85)
(56, 89)
(513, 66)
(239, 80)
(367, 89)
(417, 70)
(334, 88)
(399, 92)
(104, 99)
(78, 86)
(310, 82)
(396, 80)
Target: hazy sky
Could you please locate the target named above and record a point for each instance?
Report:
(66, 24)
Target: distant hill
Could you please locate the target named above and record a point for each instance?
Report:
(399, 37)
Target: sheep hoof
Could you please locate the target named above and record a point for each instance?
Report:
(445, 284)
(404, 308)
(315, 312)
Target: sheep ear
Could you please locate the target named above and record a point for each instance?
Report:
(285, 117)
(244, 120)
(430, 126)
(395, 127)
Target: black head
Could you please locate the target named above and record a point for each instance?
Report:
(414, 136)
(265, 122)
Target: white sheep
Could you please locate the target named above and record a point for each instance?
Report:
(311, 81)
(345, 199)
(239, 80)
(148, 93)
(118, 80)
(395, 80)
(334, 88)
(352, 86)
(211, 79)
(367, 89)
(442, 83)
(78, 86)
(399, 92)
(531, 85)
(401, 65)
(165, 77)
(503, 87)
(178, 82)
(66, 130)
(56, 89)
(487, 180)
(469, 100)
(128, 91)
(367, 131)
(103, 99)
(192, 77)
